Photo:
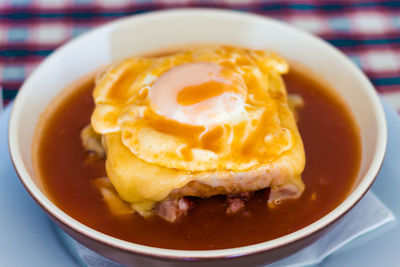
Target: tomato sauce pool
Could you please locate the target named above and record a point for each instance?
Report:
(332, 149)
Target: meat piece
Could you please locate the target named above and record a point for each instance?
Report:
(236, 203)
(172, 210)
(285, 192)
(91, 142)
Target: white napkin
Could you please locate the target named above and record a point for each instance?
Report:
(369, 214)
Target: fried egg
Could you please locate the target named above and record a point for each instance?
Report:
(214, 118)
(200, 94)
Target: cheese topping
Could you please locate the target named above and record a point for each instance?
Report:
(209, 110)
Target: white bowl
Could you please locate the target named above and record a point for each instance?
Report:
(158, 30)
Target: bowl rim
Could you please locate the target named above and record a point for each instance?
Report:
(302, 233)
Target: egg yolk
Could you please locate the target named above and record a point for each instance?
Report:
(199, 94)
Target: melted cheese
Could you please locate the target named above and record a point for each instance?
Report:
(207, 115)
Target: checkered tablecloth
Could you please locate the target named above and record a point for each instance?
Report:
(368, 31)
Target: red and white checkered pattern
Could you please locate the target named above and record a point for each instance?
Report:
(368, 31)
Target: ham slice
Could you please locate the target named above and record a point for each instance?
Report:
(172, 210)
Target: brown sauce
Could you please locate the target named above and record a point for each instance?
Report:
(332, 160)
